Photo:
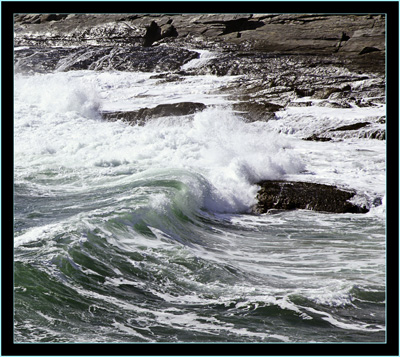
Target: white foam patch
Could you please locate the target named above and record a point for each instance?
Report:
(204, 57)
(58, 93)
(37, 233)
(306, 121)
(57, 125)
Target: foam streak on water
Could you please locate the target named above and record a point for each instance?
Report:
(141, 234)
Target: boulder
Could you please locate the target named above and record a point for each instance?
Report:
(289, 195)
(142, 115)
(154, 33)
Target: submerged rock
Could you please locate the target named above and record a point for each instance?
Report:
(288, 195)
(142, 115)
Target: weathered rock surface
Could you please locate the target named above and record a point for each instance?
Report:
(357, 40)
(374, 128)
(287, 195)
(340, 58)
(163, 110)
(129, 58)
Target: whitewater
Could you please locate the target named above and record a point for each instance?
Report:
(144, 233)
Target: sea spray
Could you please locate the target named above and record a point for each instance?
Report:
(216, 143)
(132, 233)
(204, 57)
(58, 93)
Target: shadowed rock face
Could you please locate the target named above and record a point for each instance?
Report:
(155, 33)
(288, 195)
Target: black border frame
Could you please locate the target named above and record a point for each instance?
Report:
(390, 348)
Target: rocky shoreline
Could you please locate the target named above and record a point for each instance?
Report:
(330, 60)
(337, 60)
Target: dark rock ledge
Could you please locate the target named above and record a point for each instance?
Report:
(288, 195)
(141, 116)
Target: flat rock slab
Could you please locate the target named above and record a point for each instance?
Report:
(163, 110)
(288, 195)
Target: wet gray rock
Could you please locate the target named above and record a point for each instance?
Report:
(289, 195)
(334, 104)
(300, 104)
(379, 134)
(38, 18)
(141, 116)
(129, 58)
(325, 93)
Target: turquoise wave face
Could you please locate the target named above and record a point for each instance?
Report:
(131, 270)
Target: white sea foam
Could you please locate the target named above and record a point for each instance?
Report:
(57, 125)
(204, 57)
(58, 93)
(36, 233)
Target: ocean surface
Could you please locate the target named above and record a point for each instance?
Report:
(143, 234)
